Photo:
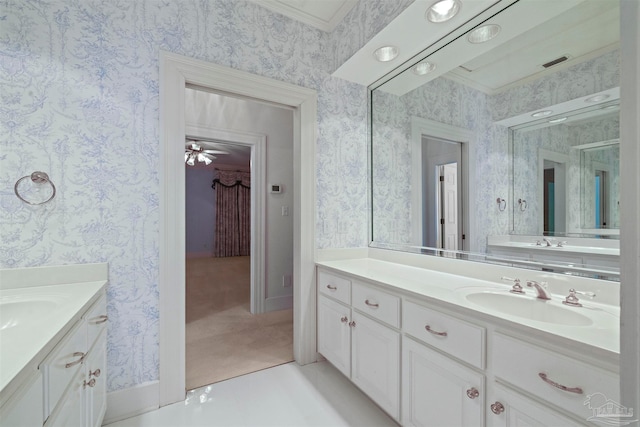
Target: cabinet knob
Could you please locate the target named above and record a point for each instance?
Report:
(352, 324)
(344, 319)
(90, 383)
(472, 393)
(79, 354)
(95, 373)
(497, 408)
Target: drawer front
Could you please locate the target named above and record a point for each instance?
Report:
(334, 286)
(62, 364)
(96, 319)
(377, 304)
(461, 339)
(523, 365)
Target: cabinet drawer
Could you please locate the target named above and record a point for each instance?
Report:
(454, 336)
(96, 319)
(334, 286)
(523, 365)
(380, 305)
(62, 364)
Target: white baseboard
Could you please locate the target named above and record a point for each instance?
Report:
(278, 303)
(127, 403)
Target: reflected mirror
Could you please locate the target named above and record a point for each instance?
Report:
(500, 148)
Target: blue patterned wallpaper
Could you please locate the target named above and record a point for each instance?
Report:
(79, 99)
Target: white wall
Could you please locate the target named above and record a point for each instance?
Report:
(200, 210)
(209, 110)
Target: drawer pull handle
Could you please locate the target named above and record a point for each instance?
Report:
(576, 390)
(371, 304)
(91, 383)
(331, 287)
(101, 319)
(75, 362)
(440, 334)
(472, 393)
(352, 324)
(344, 319)
(497, 408)
(95, 373)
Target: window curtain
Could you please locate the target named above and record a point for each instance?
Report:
(233, 214)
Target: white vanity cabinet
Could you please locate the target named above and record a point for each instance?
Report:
(457, 366)
(360, 346)
(74, 373)
(24, 408)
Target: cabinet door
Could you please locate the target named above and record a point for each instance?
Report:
(438, 391)
(24, 408)
(375, 362)
(96, 389)
(334, 334)
(70, 410)
(508, 408)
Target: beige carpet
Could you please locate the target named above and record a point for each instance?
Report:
(224, 340)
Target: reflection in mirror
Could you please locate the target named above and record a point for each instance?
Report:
(481, 98)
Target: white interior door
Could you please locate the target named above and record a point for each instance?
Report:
(450, 206)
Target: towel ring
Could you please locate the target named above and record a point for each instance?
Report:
(502, 204)
(38, 178)
(523, 204)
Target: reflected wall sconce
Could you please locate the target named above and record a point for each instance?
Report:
(502, 204)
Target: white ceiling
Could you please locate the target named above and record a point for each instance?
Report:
(322, 14)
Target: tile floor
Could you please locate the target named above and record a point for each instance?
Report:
(286, 395)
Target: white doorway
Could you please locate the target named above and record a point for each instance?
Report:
(175, 73)
(448, 200)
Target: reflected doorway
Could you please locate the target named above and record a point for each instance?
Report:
(442, 189)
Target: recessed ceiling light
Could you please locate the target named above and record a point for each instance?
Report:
(484, 33)
(597, 98)
(442, 10)
(423, 68)
(386, 53)
(610, 107)
(558, 120)
(543, 113)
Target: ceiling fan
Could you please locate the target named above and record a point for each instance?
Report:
(194, 150)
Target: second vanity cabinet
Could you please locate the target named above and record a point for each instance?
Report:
(454, 369)
(360, 337)
(74, 373)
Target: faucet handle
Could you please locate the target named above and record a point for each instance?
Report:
(517, 287)
(561, 244)
(572, 299)
(590, 295)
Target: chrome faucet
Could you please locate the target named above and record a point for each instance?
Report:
(547, 241)
(541, 292)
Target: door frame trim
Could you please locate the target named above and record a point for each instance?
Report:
(175, 72)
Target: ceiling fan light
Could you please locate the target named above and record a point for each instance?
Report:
(191, 160)
(443, 10)
(207, 160)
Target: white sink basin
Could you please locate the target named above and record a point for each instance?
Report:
(19, 312)
(527, 307)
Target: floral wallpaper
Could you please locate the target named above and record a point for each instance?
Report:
(79, 91)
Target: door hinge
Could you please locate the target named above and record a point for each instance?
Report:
(464, 237)
(441, 221)
(441, 178)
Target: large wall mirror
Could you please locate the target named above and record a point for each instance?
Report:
(495, 149)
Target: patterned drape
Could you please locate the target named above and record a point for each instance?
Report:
(233, 214)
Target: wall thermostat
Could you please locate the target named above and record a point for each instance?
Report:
(276, 188)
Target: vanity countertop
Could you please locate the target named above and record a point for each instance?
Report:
(451, 291)
(34, 318)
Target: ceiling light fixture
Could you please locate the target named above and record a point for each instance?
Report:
(386, 53)
(543, 113)
(423, 68)
(443, 10)
(597, 98)
(558, 120)
(484, 33)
